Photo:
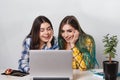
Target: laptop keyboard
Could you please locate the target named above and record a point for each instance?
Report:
(51, 79)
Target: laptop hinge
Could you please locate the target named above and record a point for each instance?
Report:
(37, 78)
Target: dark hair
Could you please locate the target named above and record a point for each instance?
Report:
(81, 43)
(34, 33)
(71, 20)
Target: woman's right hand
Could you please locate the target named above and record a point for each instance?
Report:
(8, 71)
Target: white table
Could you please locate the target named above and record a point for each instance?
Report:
(77, 75)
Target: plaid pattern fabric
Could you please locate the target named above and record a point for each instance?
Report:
(78, 61)
(24, 61)
(84, 59)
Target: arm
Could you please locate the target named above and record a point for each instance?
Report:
(78, 61)
(24, 61)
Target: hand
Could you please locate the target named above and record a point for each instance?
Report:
(49, 41)
(74, 39)
(8, 71)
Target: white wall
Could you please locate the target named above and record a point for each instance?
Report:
(97, 17)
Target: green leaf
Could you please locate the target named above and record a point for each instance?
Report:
(110, 44)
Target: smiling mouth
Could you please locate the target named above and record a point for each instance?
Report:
(48, 37)
(67, 39)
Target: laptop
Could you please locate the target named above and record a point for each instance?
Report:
(51, 65)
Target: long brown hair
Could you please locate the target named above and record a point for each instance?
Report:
(34, 33)
(71, 20)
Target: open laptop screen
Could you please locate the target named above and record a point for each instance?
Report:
(51, 63)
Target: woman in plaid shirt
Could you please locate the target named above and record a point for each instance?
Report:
(71, 36)
(40, 37)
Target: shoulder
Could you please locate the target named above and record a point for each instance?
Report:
(55, 46)
(89, 37)
(55, 40)
(27, 41)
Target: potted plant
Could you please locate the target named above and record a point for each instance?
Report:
(110, 67)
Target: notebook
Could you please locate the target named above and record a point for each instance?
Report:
(51, 65)
(99, 73)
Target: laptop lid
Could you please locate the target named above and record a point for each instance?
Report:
(51, 63)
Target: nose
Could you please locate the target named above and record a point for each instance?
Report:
(65, 35)
(46, 32)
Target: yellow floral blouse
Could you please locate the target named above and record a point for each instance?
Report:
(78, 61)
(84, 60)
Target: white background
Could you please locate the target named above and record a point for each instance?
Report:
(96, 17)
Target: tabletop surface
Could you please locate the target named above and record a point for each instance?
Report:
(77, 75)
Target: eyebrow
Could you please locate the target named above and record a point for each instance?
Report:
(67, 29)
(47, 27)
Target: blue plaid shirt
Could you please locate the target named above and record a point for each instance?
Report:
(24, 61)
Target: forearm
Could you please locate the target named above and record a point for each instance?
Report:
(23, 66)
(78, 59)
(24, 60)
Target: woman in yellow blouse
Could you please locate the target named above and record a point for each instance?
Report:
(71, 36)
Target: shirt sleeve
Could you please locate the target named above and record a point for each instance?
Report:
(24, 61)
(54, 47)
(78, 61)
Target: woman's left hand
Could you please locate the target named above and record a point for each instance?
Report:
(49, 41)
(74, 39)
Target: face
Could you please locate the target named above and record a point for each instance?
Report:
(45, 32)
(67, 32)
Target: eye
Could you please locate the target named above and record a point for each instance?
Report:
(49, 28)
(41, 30)
(62, 31)
(69, 31)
